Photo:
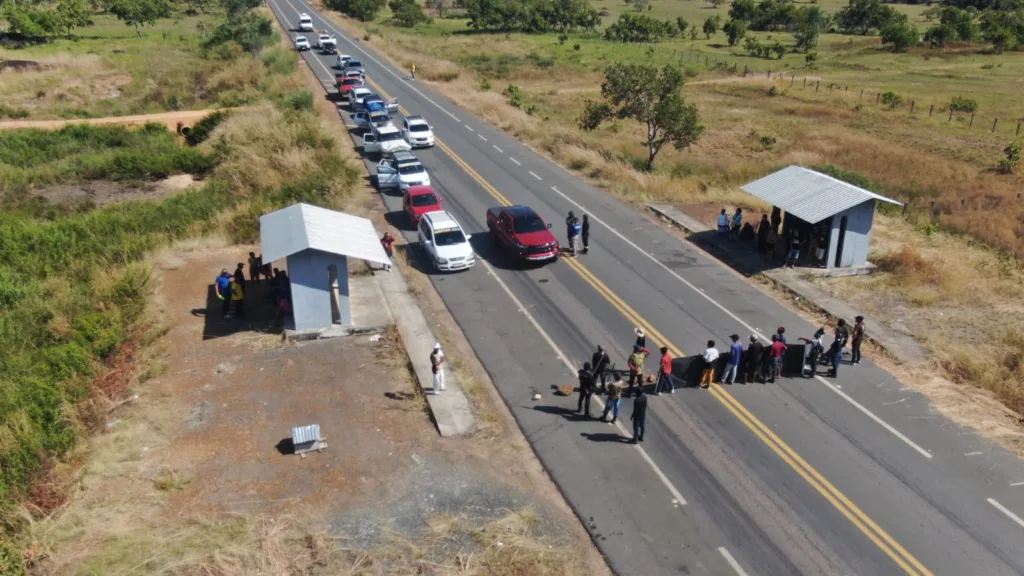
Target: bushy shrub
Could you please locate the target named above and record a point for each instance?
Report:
(892, 99)
(201, 129)
(963, 104)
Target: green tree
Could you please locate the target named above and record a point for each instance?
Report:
(362, 10)
(32, 21)
(239, 6)
(779, 49)
(651, 97)
(863, 16)
(1012, 153)
(807, 37)
(940, 35)
(901, 36)
(682, 24)
(638, 28)
(250, 30)
(735, 30)
(743, 10)
(407, 13)
(711, 26)
(74, 14)
(139, 13)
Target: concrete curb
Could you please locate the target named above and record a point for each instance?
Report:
(452, 410)
(899, 346)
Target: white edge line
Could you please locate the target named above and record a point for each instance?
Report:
(973, 454)
(515, 161)
(379, 63)
(482, 137)
(468, 127)
(498, 149)
(534, 175)
(752, 330)
(732, 561)
(1006, 511)
(1017, 484)
(568, 364)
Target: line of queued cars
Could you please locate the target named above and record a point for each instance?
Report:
(443, 241)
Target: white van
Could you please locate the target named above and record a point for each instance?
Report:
(305, 22)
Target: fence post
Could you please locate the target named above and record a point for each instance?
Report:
(994, 122)
(769, 73)
(1017, 134)
(830, 89)
(930, 108)
(792, 78)
(744, 69)
(846, 91)
(971, 125)
(950, 119)
(805, 82)
(933, 209)
(817, 85)
(877, 96)
(912, 102)
(904, 210)
(861, 97)
(705, 61)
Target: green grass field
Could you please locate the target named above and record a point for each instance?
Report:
(106, 70)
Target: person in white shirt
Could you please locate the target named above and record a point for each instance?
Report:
(437, 367)
(710, 359)
(723, 223)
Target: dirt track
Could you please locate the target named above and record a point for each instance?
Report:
(170, 119)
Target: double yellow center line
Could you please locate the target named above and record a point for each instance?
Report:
(848, 509)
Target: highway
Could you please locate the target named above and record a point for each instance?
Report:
(853, 475)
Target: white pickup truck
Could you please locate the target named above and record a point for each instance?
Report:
(326, 43)
(385, 141)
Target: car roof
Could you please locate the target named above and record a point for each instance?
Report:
(414, 119)
(420, 190)
(441, 219)
(362, 89)
(304, 15)
(404, 156)
(352, 61)
(387, 129)
(519, 211)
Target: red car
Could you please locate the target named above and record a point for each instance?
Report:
(347, 84)
(418, 201)
(519, 231)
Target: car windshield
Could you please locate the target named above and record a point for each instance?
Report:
(410, 169)
(531, 223)
(419, 128)
(351, 81)
(449, 238)
(422, 200)
(355, 64)
(390, 137)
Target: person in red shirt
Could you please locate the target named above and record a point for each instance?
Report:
(664, 373)
(386, 241)
(775, 352)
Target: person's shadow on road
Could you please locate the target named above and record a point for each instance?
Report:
(567, 413)
(606, 437)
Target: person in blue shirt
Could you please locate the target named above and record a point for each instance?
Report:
(737, 223)
(733, 365)
(222, 287)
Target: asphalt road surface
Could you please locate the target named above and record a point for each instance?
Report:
(853, 475)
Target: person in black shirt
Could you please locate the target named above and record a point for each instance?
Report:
(753, 359)
(599, 362)
(586, 389)
(586, 233)
(639, 416)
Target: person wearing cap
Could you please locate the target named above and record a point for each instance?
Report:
(664, 373)
(437, 368)
(732, 367)
(859, 332)
(753, 358)
(710, 358)
(586, 380)
(636, 367)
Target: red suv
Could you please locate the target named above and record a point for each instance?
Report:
(347, 84)
(520, 232)
(418, 201)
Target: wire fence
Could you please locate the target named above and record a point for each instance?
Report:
(1004, 125)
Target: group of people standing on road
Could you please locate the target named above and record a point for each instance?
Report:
(577, 230)
(231, 289)
(756, 362)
